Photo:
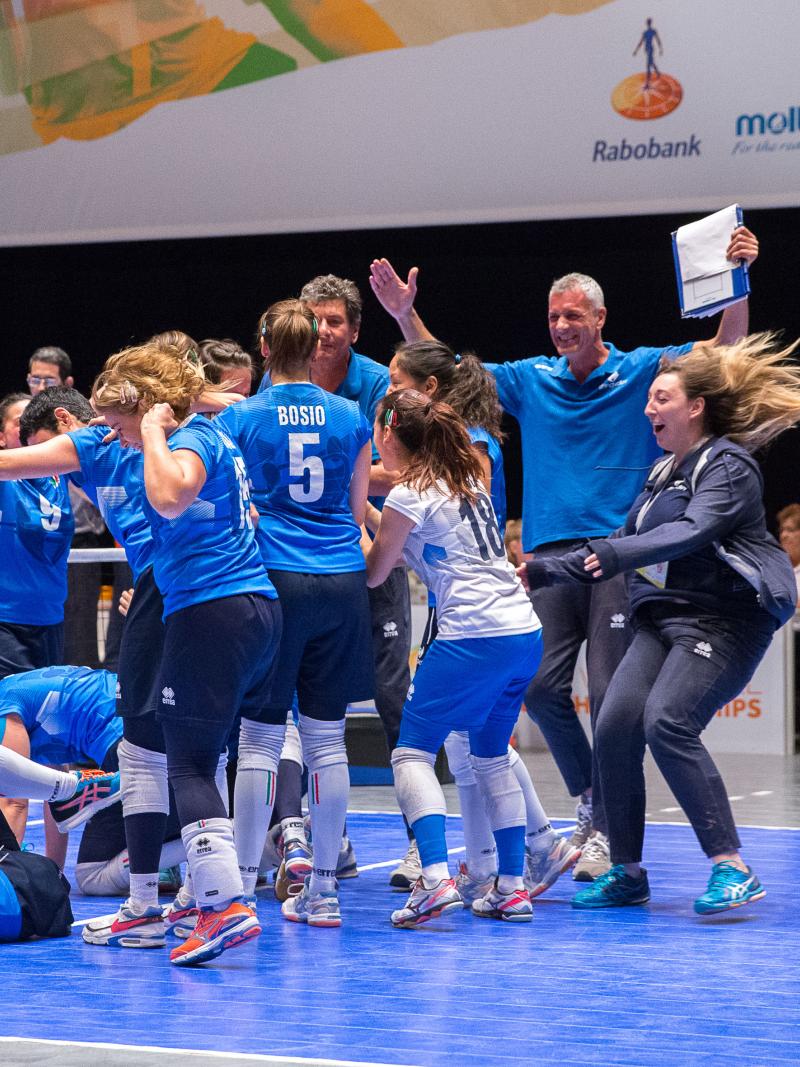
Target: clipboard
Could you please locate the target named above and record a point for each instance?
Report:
(709, 290)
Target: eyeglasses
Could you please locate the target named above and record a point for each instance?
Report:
(48, 383)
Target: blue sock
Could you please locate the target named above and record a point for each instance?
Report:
(510, 850)
(431, 841)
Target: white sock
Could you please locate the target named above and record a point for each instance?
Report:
(254, 793)
(212, 861)
(328, 790)
(144, 890)
(434, 873)
(507, 883)
(172, 853)
(293, 828)
(21, 777)
(537, 825)
(481, 851)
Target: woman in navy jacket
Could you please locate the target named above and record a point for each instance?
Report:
(708, 588)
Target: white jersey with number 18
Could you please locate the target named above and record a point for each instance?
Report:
(457, 550)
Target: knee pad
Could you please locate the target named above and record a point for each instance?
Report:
(505, 803)
(292, 749)
(323, 743)
(260, 745)
(418, 791)
(144, 780)
(104, 878)
(456, 746)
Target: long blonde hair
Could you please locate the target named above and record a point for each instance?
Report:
(136, 378)
(752, 392)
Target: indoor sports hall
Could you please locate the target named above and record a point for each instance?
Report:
(531, 270)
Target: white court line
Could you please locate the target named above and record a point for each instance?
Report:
(241, 1057)
(393, 863)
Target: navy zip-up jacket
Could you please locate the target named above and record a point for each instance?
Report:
(705, 519)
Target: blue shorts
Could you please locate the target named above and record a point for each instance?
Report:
(476, 685)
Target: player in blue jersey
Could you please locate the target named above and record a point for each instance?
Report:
(58, 715)
(586, 448)
(308, 456)
(222, 628)
(461, 381)
(36, 528)
(486, 651)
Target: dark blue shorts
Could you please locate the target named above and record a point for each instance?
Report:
(218, 659)
(29, 648)
(140, 650)
(326, 648)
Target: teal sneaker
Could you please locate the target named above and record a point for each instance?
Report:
(728, 887)
(614, 889)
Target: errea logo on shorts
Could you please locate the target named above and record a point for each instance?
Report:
(617, 622)
(168, 696)
(118, 693)
(390, 629)
(703, 648)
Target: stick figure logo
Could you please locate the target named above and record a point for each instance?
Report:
(650, 95)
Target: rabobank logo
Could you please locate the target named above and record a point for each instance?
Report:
(651, 94)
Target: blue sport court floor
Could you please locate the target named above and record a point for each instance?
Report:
(647, 985)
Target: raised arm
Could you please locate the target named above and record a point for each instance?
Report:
(172, 480)
(56, 456)
(397, 297)
(734, 322)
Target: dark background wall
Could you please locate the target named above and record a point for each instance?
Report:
(481, 287)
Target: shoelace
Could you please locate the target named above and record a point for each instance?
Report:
(595, 849)
(726, 874)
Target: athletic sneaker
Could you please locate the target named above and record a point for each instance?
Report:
(469, 888)
(425, 904)
(130, 927)
(583, 823)
(408, 871)
(595, 859)
(728, 887)
(295, 867)
(543, 868)
(215, 932)
(322, 909)
(614, 889)
(94, 791)
(346, 865)
(513, 907)
(180, 917)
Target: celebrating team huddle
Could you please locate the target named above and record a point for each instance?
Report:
(268, 538)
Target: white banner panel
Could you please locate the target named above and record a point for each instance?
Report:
(149, 118)
(759, 720)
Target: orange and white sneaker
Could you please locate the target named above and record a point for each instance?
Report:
(513, 907)
(215, 932)
(425, 904)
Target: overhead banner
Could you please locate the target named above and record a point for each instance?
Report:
(150, 118)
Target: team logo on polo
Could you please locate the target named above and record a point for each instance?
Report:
(650, 95)
(390, 629)
(703, 648)
(617, 622)
(168, 696)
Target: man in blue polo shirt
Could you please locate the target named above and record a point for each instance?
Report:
(337, 367)
(586, 447)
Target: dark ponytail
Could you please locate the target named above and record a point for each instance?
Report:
(463, 381)
(437, 441)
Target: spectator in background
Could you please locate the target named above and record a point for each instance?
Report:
(11, 408)
(47, 367)
(789, 537)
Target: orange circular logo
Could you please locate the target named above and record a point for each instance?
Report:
(634, 98)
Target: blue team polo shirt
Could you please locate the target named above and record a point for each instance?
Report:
(68, 712)
(36, 528)
(209, 551)
(586, 446)
(113, 479)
